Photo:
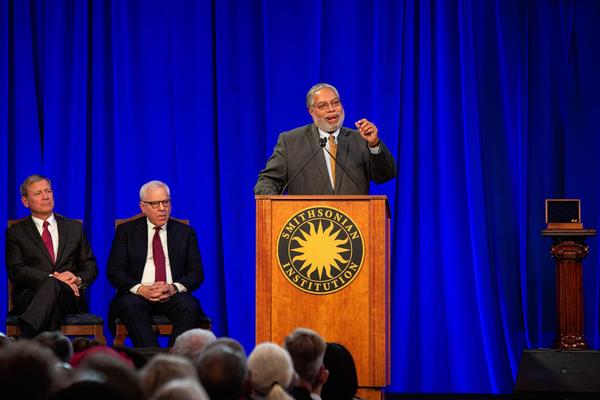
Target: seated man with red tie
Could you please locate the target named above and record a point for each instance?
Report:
(155, 266)
(48, 260)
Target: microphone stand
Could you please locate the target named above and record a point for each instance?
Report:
(343, 169)
(322, 143)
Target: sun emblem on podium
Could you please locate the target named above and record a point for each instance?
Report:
(320, 250)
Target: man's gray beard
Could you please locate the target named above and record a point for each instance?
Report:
(326, 127)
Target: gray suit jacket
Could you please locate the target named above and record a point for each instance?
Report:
(296, 147)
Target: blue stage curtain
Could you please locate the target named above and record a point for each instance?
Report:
(489, 106)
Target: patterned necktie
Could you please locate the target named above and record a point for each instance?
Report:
(333, 151)
(47, 238)
(160, 272)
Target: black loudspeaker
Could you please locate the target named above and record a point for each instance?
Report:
(558, 374)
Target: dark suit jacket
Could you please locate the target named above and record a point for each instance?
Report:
(300, 393)
(29, 263)
(130, 249)
(294, 148)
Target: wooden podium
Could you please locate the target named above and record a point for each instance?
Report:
(341, 291)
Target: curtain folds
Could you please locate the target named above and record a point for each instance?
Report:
(489, 106)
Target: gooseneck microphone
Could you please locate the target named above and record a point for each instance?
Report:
(322, 143)
(342, 167)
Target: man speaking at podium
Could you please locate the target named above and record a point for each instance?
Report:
(324, 157)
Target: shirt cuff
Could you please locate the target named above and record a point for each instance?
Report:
(376, 149)
(135, 288)
(180, 287)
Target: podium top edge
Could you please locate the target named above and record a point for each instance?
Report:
(320, 197)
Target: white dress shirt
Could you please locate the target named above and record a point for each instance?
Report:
(149, 267)
(52, 228)
(323, 134)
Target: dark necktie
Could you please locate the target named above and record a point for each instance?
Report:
(47, 238)
(160, 272)
(333, 151)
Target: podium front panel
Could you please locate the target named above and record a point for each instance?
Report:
(356, 315)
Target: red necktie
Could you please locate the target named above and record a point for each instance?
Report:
(160, 273)
(47, 238)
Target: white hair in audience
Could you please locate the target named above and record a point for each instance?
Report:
(192, 342)
(271, 371)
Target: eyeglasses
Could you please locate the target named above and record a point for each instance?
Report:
(155, 204)
(323, 105)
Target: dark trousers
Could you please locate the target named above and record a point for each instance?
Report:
(136, 313)
(43, 307)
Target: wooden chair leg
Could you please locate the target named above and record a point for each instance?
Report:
(120, 336)
(99, 334)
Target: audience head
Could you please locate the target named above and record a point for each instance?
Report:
(112, 370)
(222, 372)
(163, 368)
(271, 371)
(231, 343)
(27, 371)
(181, 389)
(307, 349)
(91, 387)
(342, 382)
(191, 343)
(60, 345)
(5, 340)
(79, 357)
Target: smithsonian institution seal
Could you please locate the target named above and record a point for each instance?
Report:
(320, 250)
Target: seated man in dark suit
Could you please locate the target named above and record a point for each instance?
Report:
(48, 260)
(155, 266)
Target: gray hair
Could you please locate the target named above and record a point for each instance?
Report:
(60, 345)
(310, 96)
(181, 389)
(163, 368)
(271, 370)
(32, 179)
(153, 185)
(191, 343)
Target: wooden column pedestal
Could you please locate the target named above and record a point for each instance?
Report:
(569, 249)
